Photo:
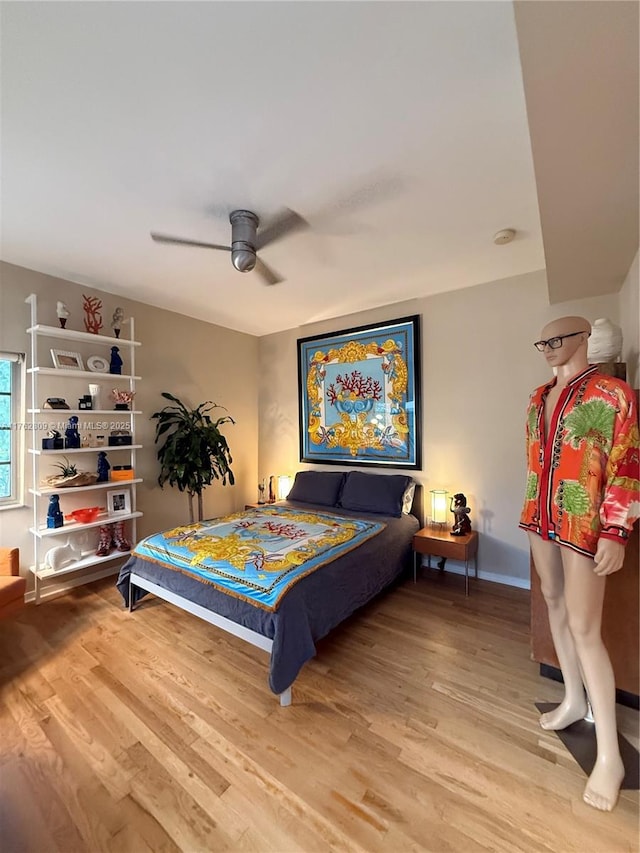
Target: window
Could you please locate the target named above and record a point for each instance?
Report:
(11, 438)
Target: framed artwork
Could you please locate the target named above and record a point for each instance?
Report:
(66, 360)
(118, 501)
(359, 396)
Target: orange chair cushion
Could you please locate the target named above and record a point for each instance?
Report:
(12, 589)
(9, 561)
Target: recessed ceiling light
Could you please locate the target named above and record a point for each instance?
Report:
(504, 236)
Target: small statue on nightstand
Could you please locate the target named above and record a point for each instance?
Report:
(460, 510)
(272, 489)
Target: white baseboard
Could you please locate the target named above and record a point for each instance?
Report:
(493, 577)
(54, 590)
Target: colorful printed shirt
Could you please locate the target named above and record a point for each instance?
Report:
(582, 481)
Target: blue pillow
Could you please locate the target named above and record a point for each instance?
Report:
(379, 493)
(317, 487)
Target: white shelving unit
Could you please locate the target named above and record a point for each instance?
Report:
(66, 452)
(60, 380)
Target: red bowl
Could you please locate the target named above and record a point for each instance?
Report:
(84, 516)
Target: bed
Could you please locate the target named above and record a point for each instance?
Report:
(380, 512)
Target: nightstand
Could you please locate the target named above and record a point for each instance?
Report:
(433, 542)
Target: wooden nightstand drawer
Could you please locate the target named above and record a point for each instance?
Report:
(433, 542)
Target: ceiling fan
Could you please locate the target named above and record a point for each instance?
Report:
(246, 242)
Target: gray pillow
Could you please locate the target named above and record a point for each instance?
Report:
(317, 487)
(374, 492)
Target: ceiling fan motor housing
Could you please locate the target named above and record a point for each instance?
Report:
(244, 225)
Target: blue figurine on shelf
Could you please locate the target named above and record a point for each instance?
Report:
(103, 467)
(72, 436)
(54, 513)
(115, 365)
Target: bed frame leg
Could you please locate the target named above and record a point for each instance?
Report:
(285, 698)
(130, 597)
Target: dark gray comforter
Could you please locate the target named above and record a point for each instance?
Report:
(312, 607)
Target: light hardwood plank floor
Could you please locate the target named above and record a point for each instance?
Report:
(414, 729)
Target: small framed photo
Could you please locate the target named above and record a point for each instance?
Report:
(67, 360)
(118, 501)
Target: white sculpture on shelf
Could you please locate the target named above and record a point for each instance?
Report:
(64, 555)
(61, 556)
(118, 321)
(605, 342)
(62, 313)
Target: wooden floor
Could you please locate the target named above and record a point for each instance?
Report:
(414, 728)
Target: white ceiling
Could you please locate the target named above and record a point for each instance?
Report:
(398, 130)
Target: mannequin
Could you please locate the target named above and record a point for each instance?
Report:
(581, 502)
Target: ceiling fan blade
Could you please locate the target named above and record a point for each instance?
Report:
(269, 275)
(164, 238)
(286, 223)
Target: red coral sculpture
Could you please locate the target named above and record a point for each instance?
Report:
(93, 318)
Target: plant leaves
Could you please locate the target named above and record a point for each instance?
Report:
(195, 453)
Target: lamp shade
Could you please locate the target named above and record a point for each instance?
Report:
(438, 506)
(284, 486)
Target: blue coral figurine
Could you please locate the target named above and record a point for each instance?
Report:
(103, 467)
(54, 513)
(115, 365)
(71, 434)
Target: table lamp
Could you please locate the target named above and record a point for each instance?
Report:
(284, 486)
(439, 506)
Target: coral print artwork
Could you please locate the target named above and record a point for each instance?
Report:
(358, 399)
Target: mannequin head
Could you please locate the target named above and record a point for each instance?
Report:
(574, 333)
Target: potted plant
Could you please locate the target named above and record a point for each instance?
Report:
(195, 452)
(69, 476)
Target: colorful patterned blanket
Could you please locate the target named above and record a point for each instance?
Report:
(259, 554)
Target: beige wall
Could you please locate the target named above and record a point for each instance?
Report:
(194, 360)
(630, 323)
(478, 368)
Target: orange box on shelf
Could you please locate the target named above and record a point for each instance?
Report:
(122, 472)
